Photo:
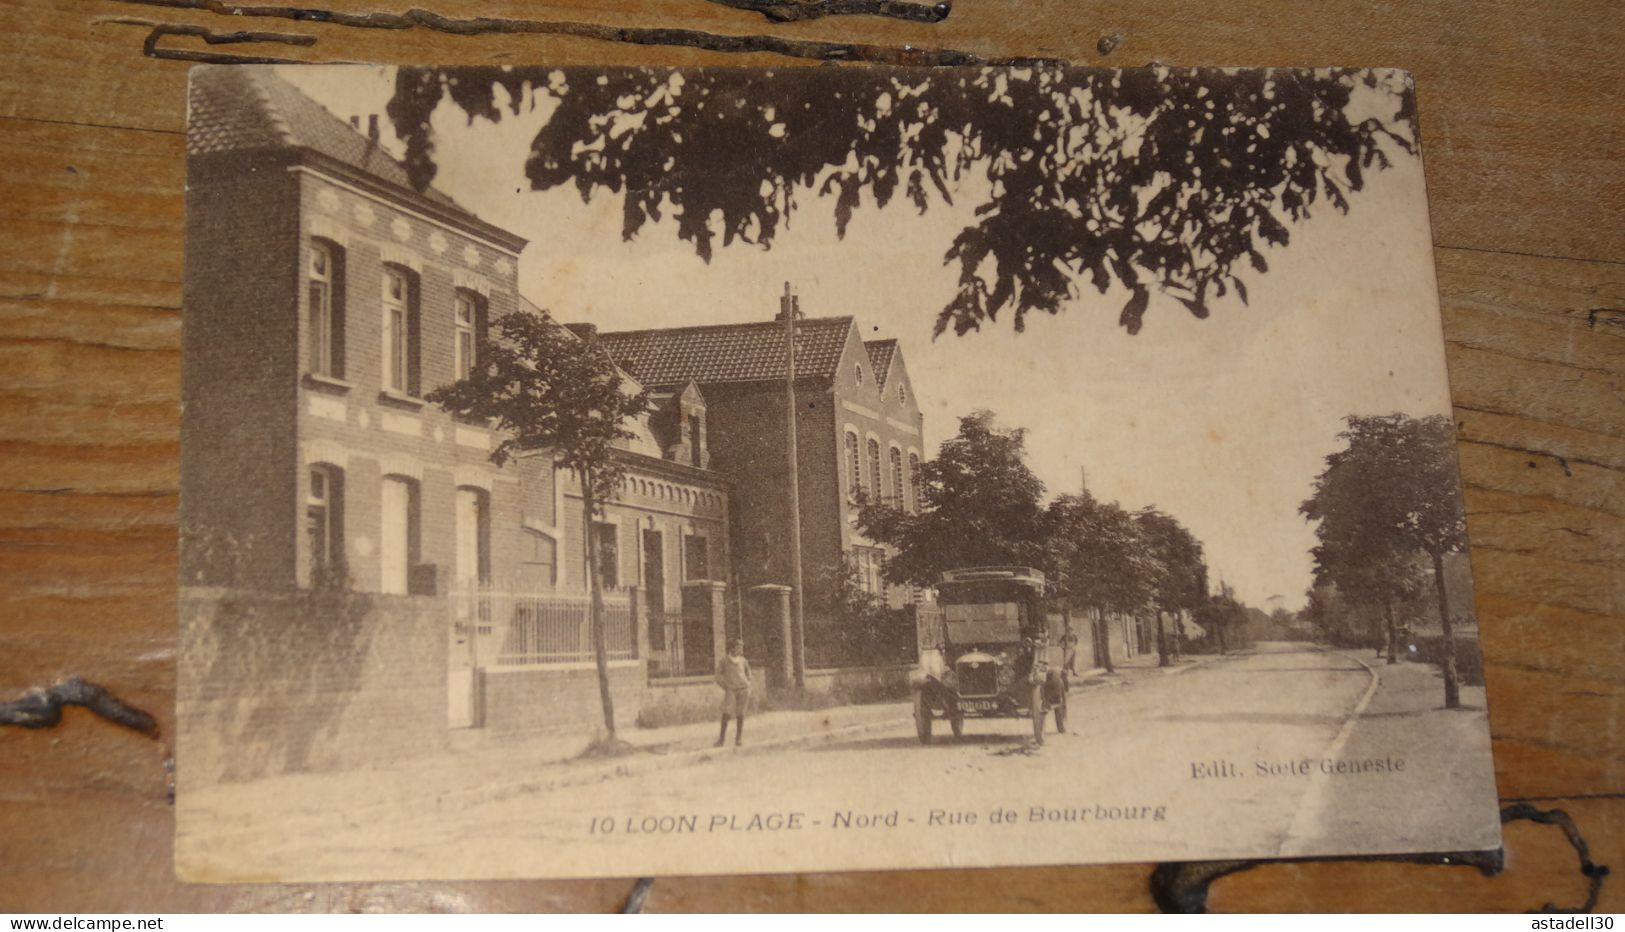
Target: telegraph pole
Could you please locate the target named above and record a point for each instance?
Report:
(789, 310)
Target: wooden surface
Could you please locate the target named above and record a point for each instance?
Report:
(1521, 115)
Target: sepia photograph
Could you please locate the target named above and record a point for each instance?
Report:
(614, 472)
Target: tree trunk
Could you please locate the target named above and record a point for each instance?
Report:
(1103, 637)
(1452, 687)
(1162, 642)
(1393, 634)
(596, 611)
(1218, 631)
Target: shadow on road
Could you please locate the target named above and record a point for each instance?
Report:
(1256, 718)
(1307, 668)
(938, 743)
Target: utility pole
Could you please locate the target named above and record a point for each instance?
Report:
(789, 310)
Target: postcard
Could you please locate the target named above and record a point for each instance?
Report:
(641, 471)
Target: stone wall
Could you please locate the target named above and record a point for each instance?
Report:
(303, 681)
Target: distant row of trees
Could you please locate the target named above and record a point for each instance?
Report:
(1387, 509)
(980, 504)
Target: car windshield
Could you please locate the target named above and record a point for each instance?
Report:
(983, 622)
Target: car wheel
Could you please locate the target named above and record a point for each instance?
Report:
(922, 718)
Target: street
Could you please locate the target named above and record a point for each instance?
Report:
(1259, 754)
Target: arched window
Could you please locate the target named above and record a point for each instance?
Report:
(913, 482)
(897, 486)
(398, 534)
(472, 516)
(854, 468)
(902, 393)
(875, 490)
(324, 523)
(857, 372)
(468, 325)
(400, 331)
(324, 313)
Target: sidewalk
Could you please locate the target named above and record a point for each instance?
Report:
(515, 764)
(1446, 772)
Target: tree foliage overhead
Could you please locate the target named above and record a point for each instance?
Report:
(980, 505)
(1152, 179)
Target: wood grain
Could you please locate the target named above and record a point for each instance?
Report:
(1519, 108)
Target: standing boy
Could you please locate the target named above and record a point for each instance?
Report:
(733, 675)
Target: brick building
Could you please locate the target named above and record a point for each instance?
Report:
(323, 298)
(858, 431)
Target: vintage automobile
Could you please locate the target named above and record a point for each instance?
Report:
(990, 652)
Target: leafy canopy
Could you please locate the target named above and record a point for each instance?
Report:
(1098, 557)
(1180, 580)
(1392, 492)
(1146, 179)
(547, 389)
(979, 506)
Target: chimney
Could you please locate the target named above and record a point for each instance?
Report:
(355, 123)
(372, 126)
(583, 331)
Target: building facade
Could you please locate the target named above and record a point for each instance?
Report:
(324, 298)
(858, 430)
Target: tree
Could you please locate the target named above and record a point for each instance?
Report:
(1224, 617)
(1376, 574)
(1141, 179)
(1391, 492)
(1179, 583)
(547, 389)
(979, 504)
(1098, 562)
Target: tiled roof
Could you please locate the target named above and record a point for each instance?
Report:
(728, 352)
(235, 107)
(881, 353)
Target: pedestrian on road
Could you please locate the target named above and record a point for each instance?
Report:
(1069, 644)
(733, 675)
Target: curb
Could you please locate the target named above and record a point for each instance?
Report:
(576, 774)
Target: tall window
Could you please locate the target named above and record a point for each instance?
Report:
(400, 332)
(398, 534)
(609, 559)
(875, 491)
(473, 529)
(913, 482)
(902, 393)
(854, 468)
(538, 557)
(324, 523)
(897, 487)
(325, 312)
(857, 372)
(694, 431)
(466, 323)
(696, 557)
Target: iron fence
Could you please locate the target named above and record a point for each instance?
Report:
(525, 629)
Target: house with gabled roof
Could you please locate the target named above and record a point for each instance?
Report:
(858, 432)
(324, 297)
